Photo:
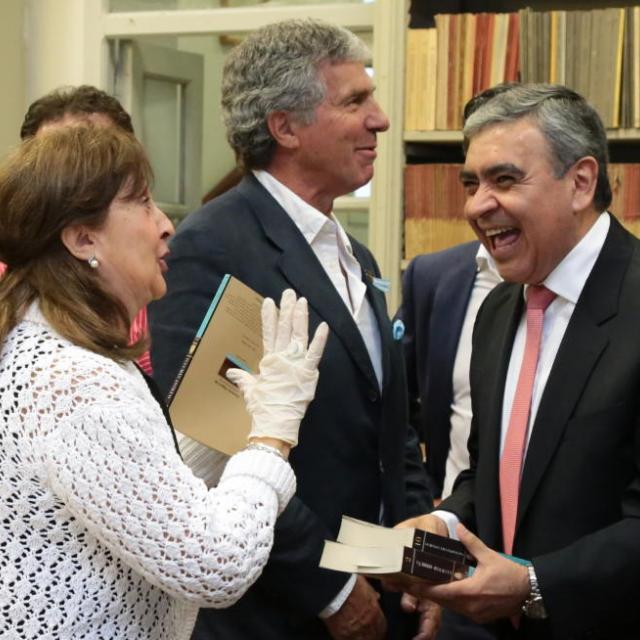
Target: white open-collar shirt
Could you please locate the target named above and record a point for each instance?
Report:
(330, 244)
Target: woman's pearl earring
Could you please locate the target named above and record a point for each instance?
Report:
(93, 262)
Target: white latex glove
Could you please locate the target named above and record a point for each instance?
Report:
(278, 397)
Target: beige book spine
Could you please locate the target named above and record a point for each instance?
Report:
(442, 75)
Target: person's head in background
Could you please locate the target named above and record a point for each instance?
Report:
(70, 105)
(81, 235)
(535, 176)
(298, 102)
(73, 105)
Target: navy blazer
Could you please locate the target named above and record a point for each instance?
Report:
(356, 448)
(579, 508)
(435, 293)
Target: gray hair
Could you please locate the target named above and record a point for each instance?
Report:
(276, 69)
(571, 126)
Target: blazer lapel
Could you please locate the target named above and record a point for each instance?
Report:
(506, 309)
(302, 269)
(448, 313)
(377, 301)
(584, 341)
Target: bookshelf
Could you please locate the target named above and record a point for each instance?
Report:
(393, 18)
(455, 137)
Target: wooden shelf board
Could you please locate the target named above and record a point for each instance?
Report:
(447, 137)
(455, 137)
(623, 135)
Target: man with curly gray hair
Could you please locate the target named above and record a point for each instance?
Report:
(279, 73)
(301, 116)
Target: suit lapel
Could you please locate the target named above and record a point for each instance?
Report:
(302, 269)
(584, 341)
(377, 301)
(448, 312)
(506, 308)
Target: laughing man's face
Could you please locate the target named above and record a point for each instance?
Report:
(522, 213)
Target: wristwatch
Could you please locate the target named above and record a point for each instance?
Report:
(533, 606)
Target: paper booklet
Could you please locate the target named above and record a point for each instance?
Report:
(205, 407)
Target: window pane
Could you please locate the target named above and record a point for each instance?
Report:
(163, 5)
(161, 123)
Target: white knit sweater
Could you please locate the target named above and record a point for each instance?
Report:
(104, 532)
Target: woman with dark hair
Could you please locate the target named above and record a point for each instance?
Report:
(104, 532)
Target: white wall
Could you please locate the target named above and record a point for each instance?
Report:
(12, 72)
(217, 156)
(55, 49)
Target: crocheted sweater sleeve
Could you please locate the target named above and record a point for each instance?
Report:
(107, 453)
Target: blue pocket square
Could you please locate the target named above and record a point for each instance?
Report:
(381, 284)
(398, 329)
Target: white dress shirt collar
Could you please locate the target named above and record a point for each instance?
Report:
(485, 262)
(309, 220)
(568, 279)
(330, 244)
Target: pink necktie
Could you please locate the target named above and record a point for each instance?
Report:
(538, 299)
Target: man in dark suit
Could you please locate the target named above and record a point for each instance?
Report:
(555, 460)
(436, 291)
(441, 295)
(300, 114)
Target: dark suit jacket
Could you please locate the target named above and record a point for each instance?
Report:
(435, 293)
(579, 508)
(356, 450)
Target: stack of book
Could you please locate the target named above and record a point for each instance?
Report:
(596, 52)
(402, 554)
(625, 185)
(446, 66)
(433, 206)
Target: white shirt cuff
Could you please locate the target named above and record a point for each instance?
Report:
(450, 519)
(336, 604)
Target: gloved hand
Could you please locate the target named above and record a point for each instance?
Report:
(278, 397)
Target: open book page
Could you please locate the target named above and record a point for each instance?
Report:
(365, 534)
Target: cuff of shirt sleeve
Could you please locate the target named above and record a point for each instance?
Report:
(450, 519)
(267, 467)
(336, 604)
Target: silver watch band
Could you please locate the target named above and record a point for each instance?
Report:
(533, 606)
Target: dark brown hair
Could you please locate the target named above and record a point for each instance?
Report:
(67, 176)
(77, 101)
